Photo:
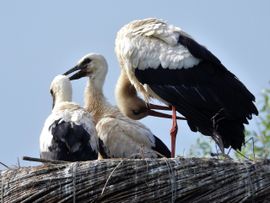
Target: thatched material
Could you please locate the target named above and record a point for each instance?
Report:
(158, 180)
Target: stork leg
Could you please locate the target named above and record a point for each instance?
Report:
(173, 132)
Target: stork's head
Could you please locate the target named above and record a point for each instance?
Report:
(91, 65)
(61, 89)
(131, 105)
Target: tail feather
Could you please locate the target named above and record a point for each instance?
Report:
(231, 133)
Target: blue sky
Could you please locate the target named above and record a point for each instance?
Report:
(41, 39)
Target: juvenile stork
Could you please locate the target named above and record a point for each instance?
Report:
(161, 61)
(68, 133)
(121, 136)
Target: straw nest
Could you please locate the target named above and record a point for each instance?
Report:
(148, 180)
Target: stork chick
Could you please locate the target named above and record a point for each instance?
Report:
(122, 137)
(68, 133)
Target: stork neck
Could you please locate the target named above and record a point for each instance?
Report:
(124, 88)
(63, 97)
(95, 102)
(127, 98)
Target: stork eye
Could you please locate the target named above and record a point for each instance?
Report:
(139, 111)
(51, 92)
(86, 61)
(136, 112)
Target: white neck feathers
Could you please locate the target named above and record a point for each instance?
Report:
(61, 89)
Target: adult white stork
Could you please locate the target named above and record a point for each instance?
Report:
(122, 137)
(163, 62)
(68, 133)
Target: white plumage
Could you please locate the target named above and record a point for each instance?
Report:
(124, 138)
(147, 43)
(68, 133)
(121, 137)
(163, 62)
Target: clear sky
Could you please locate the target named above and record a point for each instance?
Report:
(39, 39)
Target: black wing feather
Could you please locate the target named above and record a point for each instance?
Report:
(197, 50)
(103, 150)
(161, 148)
(212, 99)
(70, 143)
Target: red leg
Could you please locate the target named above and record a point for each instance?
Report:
(173, 132)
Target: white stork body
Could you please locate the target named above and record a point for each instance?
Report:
(68, 133)
(165, 63)
(121, 136)
(126, 138)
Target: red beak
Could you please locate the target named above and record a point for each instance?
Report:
(163, 115)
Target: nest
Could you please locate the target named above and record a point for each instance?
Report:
(148, 180)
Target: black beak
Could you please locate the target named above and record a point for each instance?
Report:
(75, 68)
(81, 72)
